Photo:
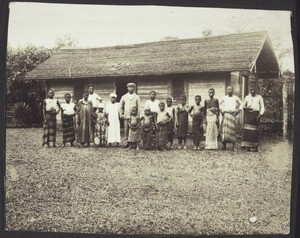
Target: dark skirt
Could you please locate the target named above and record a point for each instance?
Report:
(68, 129)
(182, 124)
(251, 129)
(134, 135)
(148, 138)
(161, 136)
(170, 130)
(197, 130)
(49, 128)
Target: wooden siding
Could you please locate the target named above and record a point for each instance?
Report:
(178, 88)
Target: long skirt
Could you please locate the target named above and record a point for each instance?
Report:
(68, 129)
(148, 138)
(228, 128)
(211, 138)
(134, 135)
(197, 128)
(49, 128)
(161, 136)
(170, 130)
(251, 129)
(182, 124)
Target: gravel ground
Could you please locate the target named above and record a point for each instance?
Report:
(118, 191)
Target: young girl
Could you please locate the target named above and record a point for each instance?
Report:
(113, 121)
(148, 127)
(196, 113)
(182, 121)
(134, 123)
(100, 126)
(161, 133)
(67, 116)
(211, 119)
(85, 116)
(170, 125)
(51, 108)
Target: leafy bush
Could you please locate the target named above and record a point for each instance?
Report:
(21, 114)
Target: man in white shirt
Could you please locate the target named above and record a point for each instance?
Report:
(127, 102)
(232, 106)
(152, 103)
(94, 97)
(254, 108)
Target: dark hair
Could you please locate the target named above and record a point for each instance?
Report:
(183, 96)
(211, 89)
(91, 85)
(84, 92)
(162, 103)
(67, 94)
(153, 92)
(198, 96)
(169, 99)
(230, 87)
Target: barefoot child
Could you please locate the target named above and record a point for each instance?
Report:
(67, 115)
(161, 133)
(170, 125)
(51, 108)
(100, 126)
(134, 123)
(182, 112)
(148, 127)
(196, 113)
(113, 121)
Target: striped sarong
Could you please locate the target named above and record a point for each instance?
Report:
(211, 138)
(251, 129)
(68, 129)
(161, 136)
(49, 128)
(228, 128)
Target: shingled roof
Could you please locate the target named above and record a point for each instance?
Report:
(227, 53)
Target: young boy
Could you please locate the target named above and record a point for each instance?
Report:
(100, 127)
(170, 125)
(182, 112)
(196, 113)
(67, 116)
(161, 133)
(134, 135)
(148, 127)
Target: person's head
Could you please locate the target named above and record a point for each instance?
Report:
(85, 95)
(152, 95)
(162, 106)
(113, 97)
(147, 111)
(169, 102)
(131, 87)
(197, 99)
(101, 107)
(68, 97)
(51, 93)
(211, 92)
(230, 90)
(253, 90)
(133, 111)
(183, 99)
(91, 88)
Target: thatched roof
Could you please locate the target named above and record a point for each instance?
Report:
(224, 53)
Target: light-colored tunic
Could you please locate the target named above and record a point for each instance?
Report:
(128, 101)
(95, 99)
(152, 105)
(231, 103)
(256, 103)
(113, 130)
(68, 108)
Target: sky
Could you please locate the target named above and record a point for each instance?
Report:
(41, 24)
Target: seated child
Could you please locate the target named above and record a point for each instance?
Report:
(100, 127)
(134, 135)
(161, 133)
(148, 128)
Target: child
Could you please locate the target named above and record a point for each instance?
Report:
(211, 119)
(170, 125)
(148, 127)
(134, 135)
(100, 124)
(67, 116)
(85, 116)
(51, 108)
(161, 133)
(182, 121)
(196, 113)
(113, 121)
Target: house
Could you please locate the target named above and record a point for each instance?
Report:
(171, 68)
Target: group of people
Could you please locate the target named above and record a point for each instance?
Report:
(154, 126)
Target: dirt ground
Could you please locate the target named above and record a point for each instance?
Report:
(113, 190)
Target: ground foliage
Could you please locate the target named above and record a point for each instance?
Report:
(118, 191)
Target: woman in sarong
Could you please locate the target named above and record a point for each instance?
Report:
(67, 115)
(148, 128)
(85, 117)
(182, 112)
(211, 119)
(134, 123)
(51, 108)
(163, 118)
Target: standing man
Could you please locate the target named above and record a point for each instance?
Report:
(95, 99)
(254, 108)
(152, 103)
(127, 102)
(231, 108)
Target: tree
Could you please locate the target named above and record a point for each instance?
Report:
(166, 38)
(66, 41)
(207, 32)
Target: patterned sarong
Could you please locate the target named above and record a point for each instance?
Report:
(197, 128)
(134, 135)
(211, 138)
(161, 136)
(68, 129)
(251, 129)
(49, 128)
(148, 138)
(228, 128)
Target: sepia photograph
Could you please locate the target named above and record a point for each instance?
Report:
(148, 120)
